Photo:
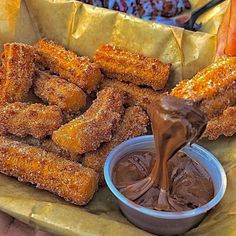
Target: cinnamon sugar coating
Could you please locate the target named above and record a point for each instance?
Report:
(224, 124)
(214, 88)
(95, 126)
(56, 91)
(135, 95)
(17, 72)
(46, 144)
(131, 67)
(47, 171)
(133, 123)
(78, 70)
(24, 119)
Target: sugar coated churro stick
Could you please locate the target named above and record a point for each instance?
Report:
(214, 87)
(46, 144)
(49, 146)
(88, 131)
(224, 124)
(18, 69)
(135, 95)
(78, 70)
(1, 75)
(24, 119)
(209, 81)
(56, 91)
(134, 123)
(67, 179)
(127, 66)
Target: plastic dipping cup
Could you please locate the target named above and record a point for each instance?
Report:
(158, 222)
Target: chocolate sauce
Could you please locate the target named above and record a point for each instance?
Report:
(190, 184)
(175, 122)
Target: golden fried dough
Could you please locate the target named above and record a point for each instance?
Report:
(127, 66)
(17, 72)
(78, 70)
(214, 88)
(135, 95)
(56, 91)
(133, 123)
(65, 178)
(95, 126)
(224, 124)
(46, 144)
(24, 119)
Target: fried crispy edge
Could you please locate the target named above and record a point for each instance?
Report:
(124, 65)
(224, 124)
(57, 91)
(15, 85)
(19, 118)
(78, 70)
(135, 95)
(134, 123)
(208, 82)
(86, 132)
(67, 179)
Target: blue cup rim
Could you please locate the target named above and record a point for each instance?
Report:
(159, 214)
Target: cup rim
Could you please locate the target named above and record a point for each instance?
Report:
(159, 214)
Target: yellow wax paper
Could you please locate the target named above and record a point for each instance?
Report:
(83, 28)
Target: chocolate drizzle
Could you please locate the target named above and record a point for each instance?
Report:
(175, 122)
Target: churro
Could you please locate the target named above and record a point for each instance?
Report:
(65, 178)
(95, 126)
(224, 124)
(214, 88)
(135, 95)
(134, 123)
(18, 69)
(24, 119)
(56, 91)
(1, 75)
(49, 146)
(127, 66)
(78, 70)
(46, 144)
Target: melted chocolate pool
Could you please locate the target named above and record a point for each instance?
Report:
(175, 122)
(190, 184)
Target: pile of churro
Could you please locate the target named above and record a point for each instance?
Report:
(61, 114)
(214, 90)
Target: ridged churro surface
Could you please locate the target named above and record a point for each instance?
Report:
(1, 75)
(135, 95)
(127, 66)
(67, 179)
(88, 131)
(56, 91)
(78, 70)
(213, 88)
(24, 119)
(46, 144)
(49, 146)
(210, 81)
(133, 123)
(18, 69)
(216, 105)
(224, 124)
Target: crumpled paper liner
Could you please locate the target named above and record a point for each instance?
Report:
(83, 28)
